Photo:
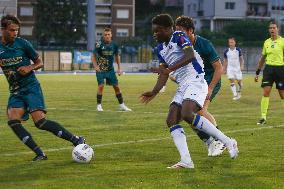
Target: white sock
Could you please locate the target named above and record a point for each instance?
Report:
(179, 138)
(203, 124)
(233, 89)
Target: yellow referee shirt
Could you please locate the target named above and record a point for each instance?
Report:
(273, 50)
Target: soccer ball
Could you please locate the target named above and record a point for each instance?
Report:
(82, 153)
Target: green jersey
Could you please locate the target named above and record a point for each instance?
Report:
(13, 56)
(105, 53)
(207, 52)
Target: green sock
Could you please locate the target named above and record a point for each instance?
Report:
(264, 106)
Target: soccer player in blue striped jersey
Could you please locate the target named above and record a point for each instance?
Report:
(213, 71)
(176, 54)
(25, 92)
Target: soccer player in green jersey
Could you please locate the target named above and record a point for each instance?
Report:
(272, 55)
(103, 58)
(213, 71)
(25, 91)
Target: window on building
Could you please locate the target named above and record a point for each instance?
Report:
(122, 13)
(230, 5)
(122, 32)
(26, 30)
(26, 11)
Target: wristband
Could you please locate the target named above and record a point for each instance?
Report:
(257, 71)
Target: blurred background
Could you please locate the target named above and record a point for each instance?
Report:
(64, 31)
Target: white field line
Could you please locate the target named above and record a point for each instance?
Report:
(138, 141)
(157, 113)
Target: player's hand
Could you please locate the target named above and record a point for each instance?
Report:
(119, 72)
(256, 78)
(24, 70)
(165, 71)
(209, 93)
(97, 68)
(147, 97)
(155, 70)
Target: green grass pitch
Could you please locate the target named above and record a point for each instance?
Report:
(133, 149)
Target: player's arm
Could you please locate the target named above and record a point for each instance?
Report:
(260, 64)
(37, 64)
(149, 95)
(118, 62)
(94, 60)
(186, 59)
(242, 62)
(225, 65)
(218, 70)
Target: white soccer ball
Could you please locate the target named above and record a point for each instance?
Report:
(82, 153)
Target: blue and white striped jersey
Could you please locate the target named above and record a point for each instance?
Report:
(170, 53)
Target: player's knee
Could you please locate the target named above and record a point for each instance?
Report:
(40, 124)
(187, 116)
(14, 122)
(170, 122)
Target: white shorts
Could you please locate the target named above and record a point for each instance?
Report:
(234, 74)
(192, 90)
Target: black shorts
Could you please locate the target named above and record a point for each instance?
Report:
(273, 74)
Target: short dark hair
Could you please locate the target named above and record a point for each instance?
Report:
(107, 29)
(232, 38)
(186, 22)
(9, 19)
(273, 22)
(163, 20)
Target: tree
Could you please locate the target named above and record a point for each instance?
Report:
(60, 21)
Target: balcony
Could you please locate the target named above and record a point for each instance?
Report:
(103, 2)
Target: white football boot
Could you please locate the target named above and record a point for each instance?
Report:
(217, 148)
(181, 165)
(123, 107)
(233, 148)
(99, 108)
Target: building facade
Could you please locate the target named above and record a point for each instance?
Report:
(117, 14)
(215, 14)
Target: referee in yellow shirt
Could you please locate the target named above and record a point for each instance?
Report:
(272, 55)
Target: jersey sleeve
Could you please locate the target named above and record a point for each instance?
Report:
(160, 58)
(117, 50)
(240, 51)
(225, 53)
(182, 40)
(30, 51)
(97, 47)
(212, 53)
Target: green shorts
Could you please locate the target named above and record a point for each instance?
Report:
(217, 88)
(109, 77)
(30, 99)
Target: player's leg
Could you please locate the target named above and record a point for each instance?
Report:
(280, 83)
(100, 79)
(35, 104)
(112, 80)
(58, 130)
(14, 116)
(215, 147)
(267, 83)
(179, 137)
(231, 77)
(16, 111)
(239, 77)
(189, 108)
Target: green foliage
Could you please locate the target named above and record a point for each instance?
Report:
(60, 21)
(247, 33)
